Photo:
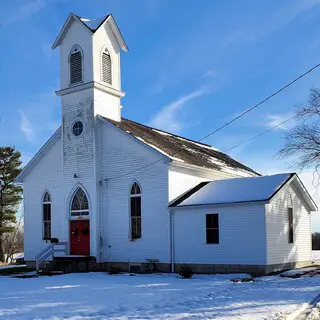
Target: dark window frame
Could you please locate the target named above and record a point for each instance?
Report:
(79, 204)
(135, 212)
(290, 226)
(212, 228)
(76, 65)
(106, 63)
(77, 128)
(46, 216)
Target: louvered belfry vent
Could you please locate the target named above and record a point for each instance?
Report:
(106, 67)
(75, 66)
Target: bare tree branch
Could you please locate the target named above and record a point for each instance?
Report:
(302, 143)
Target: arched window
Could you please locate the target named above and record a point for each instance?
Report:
(106, 67)
(135, 211)
(46, 210)
(79, 204)
(75, 65)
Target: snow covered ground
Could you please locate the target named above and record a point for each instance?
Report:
(316, 255)
(96, 296)
(12, 266)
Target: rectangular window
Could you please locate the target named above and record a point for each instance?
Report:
(135, 217)
(290, 221)
(212, 228)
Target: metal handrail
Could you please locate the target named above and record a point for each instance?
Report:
(48, 251)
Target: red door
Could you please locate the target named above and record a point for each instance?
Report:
(80, 237)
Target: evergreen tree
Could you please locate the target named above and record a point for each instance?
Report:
(10, 193)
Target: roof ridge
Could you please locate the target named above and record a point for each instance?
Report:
(173, 134)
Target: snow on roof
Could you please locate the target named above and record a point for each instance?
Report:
(233, 190)
(93, 24)
(183, 149)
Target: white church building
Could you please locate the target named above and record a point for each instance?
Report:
(124, 193)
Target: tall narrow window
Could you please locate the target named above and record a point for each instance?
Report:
(106, 67)
(75, 65)
(212, 228)
(135, 211)
(79, 204)
(46, 208)
(290, 222)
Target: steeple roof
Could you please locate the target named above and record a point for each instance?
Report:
(93, 25)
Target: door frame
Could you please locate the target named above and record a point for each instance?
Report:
(80, 219)
(71, 218)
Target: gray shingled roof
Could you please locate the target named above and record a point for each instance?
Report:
(183, 149)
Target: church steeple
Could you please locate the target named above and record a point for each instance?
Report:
(90, 61)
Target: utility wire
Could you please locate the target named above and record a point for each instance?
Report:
(226, 124)
(260, 103)
(260, 134)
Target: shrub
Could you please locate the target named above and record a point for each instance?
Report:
(113, 270)
(54, 240)
(185, 271)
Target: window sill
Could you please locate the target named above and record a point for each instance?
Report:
(134, 239)
(75, 84)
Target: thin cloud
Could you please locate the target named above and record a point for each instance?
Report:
(274, 119)
(167, 118)
(24, 11)
(26, 127)
(210, 73)
(282, 18)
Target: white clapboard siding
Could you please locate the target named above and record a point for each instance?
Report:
(278, 248)
(103, 39)
(107, 105)
(79, 167)
(79, 35)
(241, 229)
(182, 179)
(121, 153)
(46, 176)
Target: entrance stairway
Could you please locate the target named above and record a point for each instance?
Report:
(69, 264)
(48, 263)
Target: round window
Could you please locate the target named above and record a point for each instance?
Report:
(77, 128)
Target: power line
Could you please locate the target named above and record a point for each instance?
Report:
(260, 134)
(227, 123)
(260, 103)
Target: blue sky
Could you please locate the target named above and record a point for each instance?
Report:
(189, 69)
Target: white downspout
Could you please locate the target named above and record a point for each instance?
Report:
(172, 239)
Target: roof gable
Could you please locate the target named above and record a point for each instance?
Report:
(92, 25)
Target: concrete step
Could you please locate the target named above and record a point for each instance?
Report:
(71, 264)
